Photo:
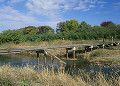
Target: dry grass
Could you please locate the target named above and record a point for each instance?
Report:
(35, 44)
(52, 43)
(27, 76)
(111, 55)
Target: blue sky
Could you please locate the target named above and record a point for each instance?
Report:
(15, 14)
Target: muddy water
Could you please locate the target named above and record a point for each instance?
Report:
(71, 67)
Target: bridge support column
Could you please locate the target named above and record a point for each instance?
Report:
(37, 58)
(74, 52)
(44, 60)
(52, 59)
(103, 46)
(66, 53)
(85, 49)
(45, 53)
(91, 48)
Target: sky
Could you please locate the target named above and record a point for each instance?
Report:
(16, 14)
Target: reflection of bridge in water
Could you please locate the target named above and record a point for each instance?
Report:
(44, 50)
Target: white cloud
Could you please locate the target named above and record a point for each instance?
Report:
(98, 12)
(91, 6)
(101, 2)
(85, 5)
(86, 9)
(117, 5)
(49, 8)
(15, 1)
(106, 12)
(80, 7)
(14, 18)
(53, 8)
(2, 1)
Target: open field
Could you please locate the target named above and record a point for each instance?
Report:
(27, 76)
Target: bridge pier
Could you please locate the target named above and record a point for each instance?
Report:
(73, 52)
(88, 48)
(45, 60)
(37, 58)
(52, 59)
(103, 46)
(66, 53)
(45, 53)
(91, 48)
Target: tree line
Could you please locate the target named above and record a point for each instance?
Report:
(69, 30)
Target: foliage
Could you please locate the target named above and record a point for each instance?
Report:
(24, 83)
(96, 53)
(107, 24)
(67, 26)
(12, 36)
(45, 29)
(6, 82)
(30, 31)
(68, 30)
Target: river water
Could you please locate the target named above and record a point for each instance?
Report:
(71, 67)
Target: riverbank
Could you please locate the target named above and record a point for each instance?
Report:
(27, 76)
(107, 55)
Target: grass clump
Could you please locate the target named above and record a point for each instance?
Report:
(27, 76)
(96, 53)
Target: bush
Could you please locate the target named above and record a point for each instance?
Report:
(96, 53)
(12, 36)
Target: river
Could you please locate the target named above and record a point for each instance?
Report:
(71, 67)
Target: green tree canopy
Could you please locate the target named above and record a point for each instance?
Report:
(47, 29)
(30, 30)
(71, 25)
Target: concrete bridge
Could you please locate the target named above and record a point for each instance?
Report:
(44, 50)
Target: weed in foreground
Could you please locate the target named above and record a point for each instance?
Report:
(27, 76)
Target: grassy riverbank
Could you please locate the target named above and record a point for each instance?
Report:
(107, 55)
(27, 76)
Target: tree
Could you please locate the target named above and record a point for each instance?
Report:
(108, 24)
(62, 27)
(45, 29)
(14, 36)
(84, 26)
(30, 30)
(71, 25)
